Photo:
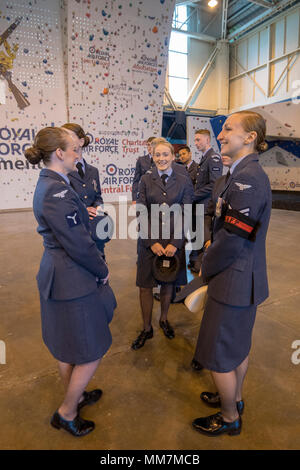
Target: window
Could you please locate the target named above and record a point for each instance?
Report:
(177, 76)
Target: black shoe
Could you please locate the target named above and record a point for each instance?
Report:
(213, 399)
(141, 339)
(90, 398)
(77, 427)
(196, 365)
(167, 329)
(214, 425)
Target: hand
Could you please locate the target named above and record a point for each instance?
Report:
(92, 212)
(170, 250)
(200, 273)
(158, 249)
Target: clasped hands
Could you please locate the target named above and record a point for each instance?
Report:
(159, 250)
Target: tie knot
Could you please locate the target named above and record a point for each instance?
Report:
(164, 177)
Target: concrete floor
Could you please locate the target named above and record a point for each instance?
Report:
(150, 396)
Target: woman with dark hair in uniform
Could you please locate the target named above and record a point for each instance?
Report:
(160, 186)
(234, 265)
(85, 181)
(76, 301)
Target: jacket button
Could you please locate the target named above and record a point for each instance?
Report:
(83, 185)
(164, 194)
(85, 197)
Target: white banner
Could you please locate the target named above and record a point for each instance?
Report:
(31, 70)
(101, 64)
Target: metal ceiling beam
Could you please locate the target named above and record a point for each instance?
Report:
(201, 37)
(260, 18)
(201, 77)
(263, 3)
(224, 18)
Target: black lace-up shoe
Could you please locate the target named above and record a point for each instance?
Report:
(167, 329)
(213, 399)
(142, 338)
(89, 398)
(214, 425)
(77, 427)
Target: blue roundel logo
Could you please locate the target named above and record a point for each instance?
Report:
(90, 136)
(111, 169)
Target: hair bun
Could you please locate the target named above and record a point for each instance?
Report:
(262, 147)
(87, 140)
(33, 155)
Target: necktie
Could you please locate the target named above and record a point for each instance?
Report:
(227, 176)
(163, 178)
(80, 170)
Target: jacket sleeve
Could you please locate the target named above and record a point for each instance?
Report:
(62, 215)
(246, 197)
(136, 180)
(98, 196)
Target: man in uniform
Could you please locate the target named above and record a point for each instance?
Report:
(191, 166)
(210, 168)
(185, 157)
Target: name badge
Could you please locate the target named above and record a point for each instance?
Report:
(219, 204)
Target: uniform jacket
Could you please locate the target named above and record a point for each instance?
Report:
(235, 267)
(88, 188)
(71, 261)
(209, 169)
(143, 164)
(193, 170)
(178, 190)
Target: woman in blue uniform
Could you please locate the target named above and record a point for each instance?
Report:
(76, 301)
(85, 181)
(162, 186)
(234, 265)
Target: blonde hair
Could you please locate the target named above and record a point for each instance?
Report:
(162, 141)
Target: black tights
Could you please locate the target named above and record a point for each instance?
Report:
(146, 300)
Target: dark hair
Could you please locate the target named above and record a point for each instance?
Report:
(77, 129)
(46, 141)
(150, 139)
(185, 147)
(252, 121)
(203, 131)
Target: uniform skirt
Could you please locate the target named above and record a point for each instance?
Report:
(76, 331)
(224, 339)
(144, 276)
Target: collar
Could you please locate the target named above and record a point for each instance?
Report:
(203, 155)
(168, 172)
(54, 174)
(236, 163)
